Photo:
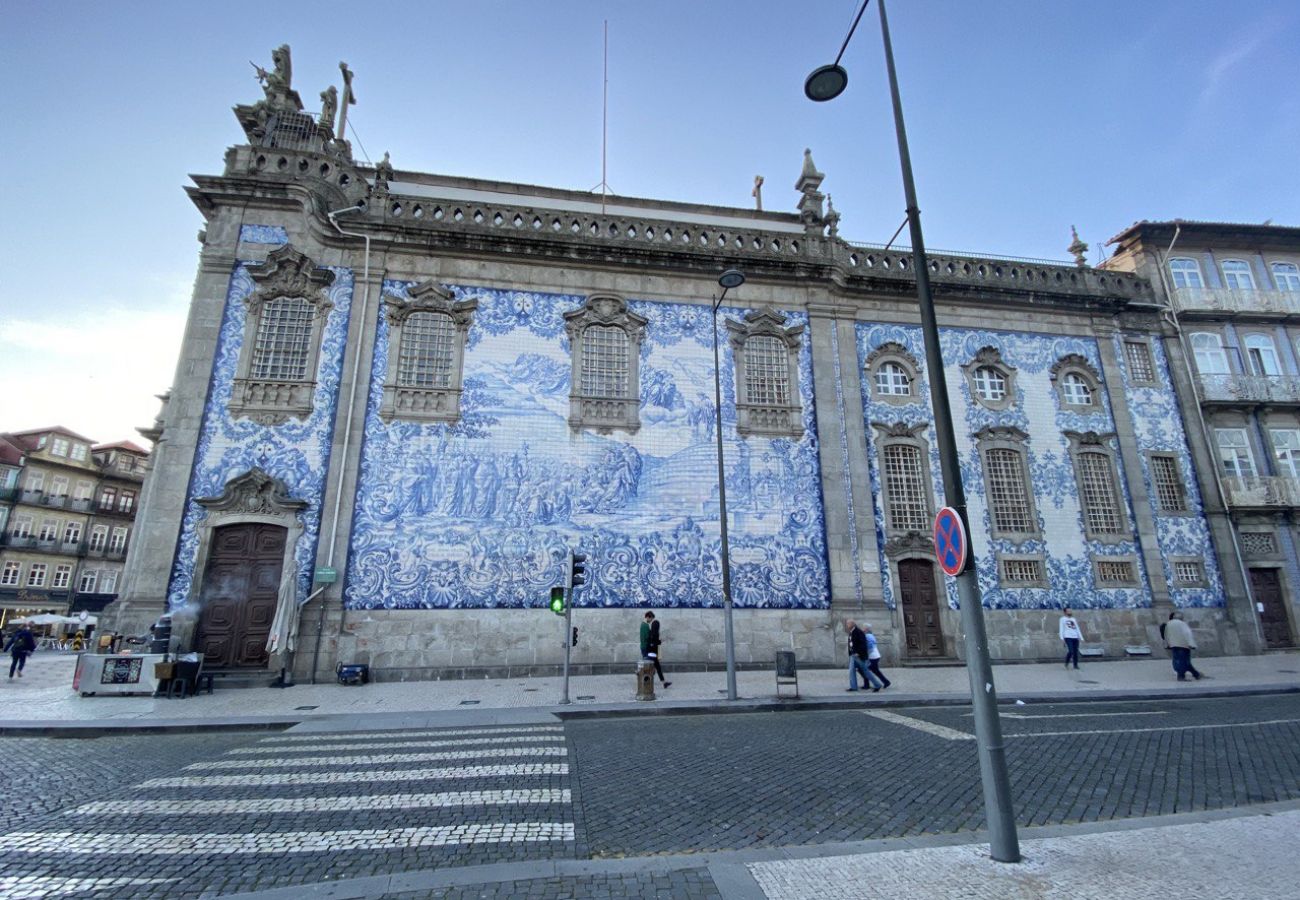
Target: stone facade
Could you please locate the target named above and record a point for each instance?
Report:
(574, 410)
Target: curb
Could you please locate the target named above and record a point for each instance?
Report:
(633, 709)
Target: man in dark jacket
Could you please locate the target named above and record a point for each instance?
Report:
(22, 643)
(859, 654)
(650, 642)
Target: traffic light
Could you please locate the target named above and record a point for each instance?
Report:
(575, 635)
(557, 600)
(578, 570)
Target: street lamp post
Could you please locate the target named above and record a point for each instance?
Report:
(729, 279)
(823, 84)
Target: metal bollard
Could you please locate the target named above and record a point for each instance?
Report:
(645, 680)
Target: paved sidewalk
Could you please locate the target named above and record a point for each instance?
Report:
(45, 697)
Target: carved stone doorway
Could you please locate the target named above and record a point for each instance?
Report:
(923, 631)
(1266, 588)
(241, 589)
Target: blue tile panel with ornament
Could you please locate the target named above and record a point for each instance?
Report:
(1067, 552)
(479, 514)
(296, 452)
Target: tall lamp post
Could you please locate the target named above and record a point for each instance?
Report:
(823, 84)
(729, 279)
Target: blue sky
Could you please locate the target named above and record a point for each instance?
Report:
(1025, 117)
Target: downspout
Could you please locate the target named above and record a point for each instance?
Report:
(1171, 312)
(347, 418)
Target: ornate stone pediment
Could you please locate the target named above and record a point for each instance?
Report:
(1007, 433)
(1089, 438)
(768, 321)
(911, 544)
(605, 309)
(891, 349)
(900, 429)
(1076, 362)
(254, 493)
(429, 297)
(288, 273)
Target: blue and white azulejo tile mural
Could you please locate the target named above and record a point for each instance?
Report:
(480, 514)
(1036, 410)
(296, 452)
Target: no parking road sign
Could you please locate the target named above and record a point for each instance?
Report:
(951, 545)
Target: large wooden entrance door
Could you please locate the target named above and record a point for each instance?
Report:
(920, 608)
(239, 595)
(1267, 591)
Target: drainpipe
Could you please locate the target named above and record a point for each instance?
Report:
(347, 418)
(1171, 313)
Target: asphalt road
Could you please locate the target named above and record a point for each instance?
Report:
(180, 815)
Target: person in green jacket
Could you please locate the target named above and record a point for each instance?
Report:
(650, 644)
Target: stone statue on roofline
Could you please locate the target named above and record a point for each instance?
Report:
(329, 99)
(383, 174)
(1078, 249)
(832, 219)
(277, 84)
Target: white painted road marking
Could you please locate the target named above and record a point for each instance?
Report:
(361, 736)
(320, 804)
(34, 886)
(1011, 715)
(378, 759)
(457, 742)
(285, 778)
(948, 734)
(55, 843)
(1032, 734)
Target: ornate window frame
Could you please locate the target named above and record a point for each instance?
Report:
(1132, 582)
(414, 402)
(766, 418)
(602, 413)
(1079, 367)
(1184, 498)
(1134, 345)
(895, 353)
(1015, 585)
(1101, 445)
(895, 434)
(286, 274)
(1013, 439)
(990, 358)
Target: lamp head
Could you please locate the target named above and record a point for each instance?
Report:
(826, 83)
(731, 278)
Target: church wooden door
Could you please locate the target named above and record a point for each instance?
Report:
(921, 623)
(240, 591)
(1266, 588)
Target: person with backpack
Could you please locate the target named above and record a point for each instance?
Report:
(20, 645)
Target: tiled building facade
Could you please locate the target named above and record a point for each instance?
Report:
(439, 392)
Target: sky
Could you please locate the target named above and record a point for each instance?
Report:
(1024, 117)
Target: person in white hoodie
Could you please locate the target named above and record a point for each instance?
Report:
(1071, 634)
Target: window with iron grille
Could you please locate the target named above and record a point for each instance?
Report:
(284, 337)
(1258, 543)
(892, 380)
(604, 361)
(1171, 494)
(1140, 365)
(1188, 572)
(767, 371)
(907, 502)
(990, 384)
(1023, 571)
(1008, 497)
(1115, 572)
(1097, 493)
(427, 353)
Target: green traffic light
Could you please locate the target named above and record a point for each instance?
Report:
(557, 600)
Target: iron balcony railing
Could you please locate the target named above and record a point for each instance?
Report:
(1262, 490)
(1248, 388)
(1236, 300)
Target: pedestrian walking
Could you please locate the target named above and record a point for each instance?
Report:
(20, 645)
(1181, 643)
(1070, 633)
(650, 641)
(859, 657)
(873, 658)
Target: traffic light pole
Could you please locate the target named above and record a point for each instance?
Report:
(568, 645)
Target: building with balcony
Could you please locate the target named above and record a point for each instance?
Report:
(1232, 295)
(67, 522)
(403, 397)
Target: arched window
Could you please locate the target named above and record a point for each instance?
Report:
(1186, 273)
(890, 371)
(1287, 276)
(766, 355)
(1077, 391)
(426, 356)
(1207, 347)
(892, 380)
(283, 345)
(1237, 275)
(1262, 355)
(990, 384)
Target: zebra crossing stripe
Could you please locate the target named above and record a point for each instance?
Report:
(378, 759)
(320, 804)
(389, 735)
(203, 844)
(461, 742)
(381, 775)
(22, 887)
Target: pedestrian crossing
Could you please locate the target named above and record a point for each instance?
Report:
(270, 809)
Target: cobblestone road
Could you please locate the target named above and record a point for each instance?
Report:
(182, 815)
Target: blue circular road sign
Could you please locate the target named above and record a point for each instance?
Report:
(950, 543)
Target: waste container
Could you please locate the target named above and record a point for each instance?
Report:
(162, 635)
(645, 680)
(786, 672)
(353, 673)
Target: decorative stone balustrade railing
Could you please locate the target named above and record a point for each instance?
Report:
(1248, 388)
(1263, 490)
(1232, 300)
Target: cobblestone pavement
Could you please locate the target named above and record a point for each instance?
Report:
(682, 884)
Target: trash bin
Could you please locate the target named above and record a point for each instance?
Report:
(645, 680)
(162, 635)
(353, 673)
(786, 672)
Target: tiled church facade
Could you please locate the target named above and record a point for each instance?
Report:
(447, 511)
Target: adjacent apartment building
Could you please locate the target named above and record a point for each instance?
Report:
(67, 509)
(404, 397)
(1232, 295)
